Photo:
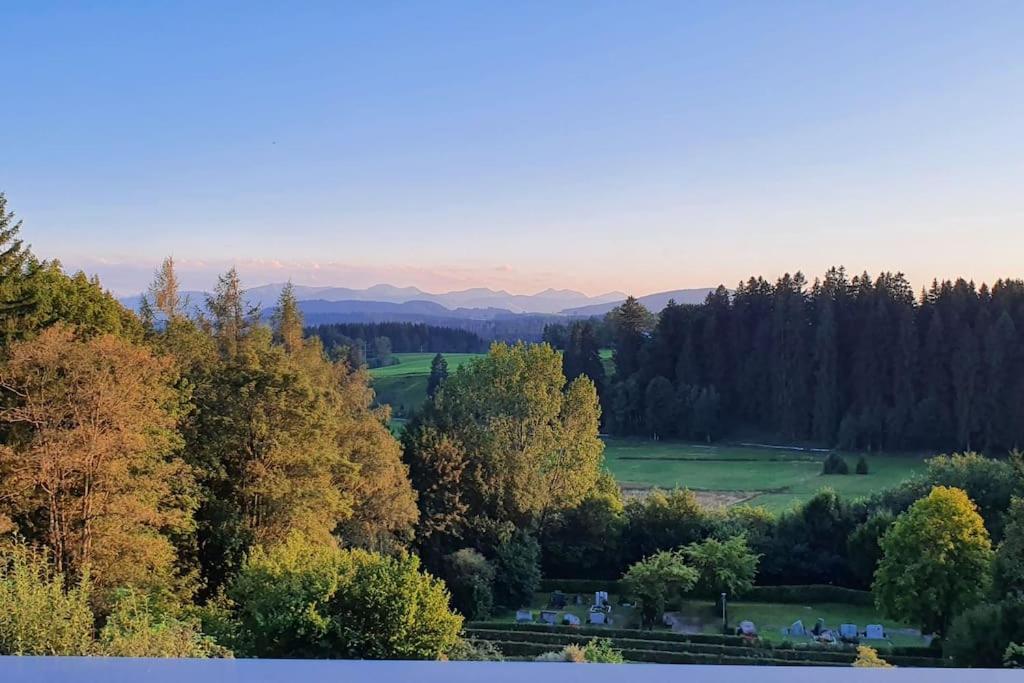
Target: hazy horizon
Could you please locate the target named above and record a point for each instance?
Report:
(584, 146)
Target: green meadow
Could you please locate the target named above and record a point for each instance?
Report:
(771, 477)
(404, 386)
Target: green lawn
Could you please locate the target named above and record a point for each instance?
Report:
(771, 618)
(773, 478)
(404, 386)
(419, 364)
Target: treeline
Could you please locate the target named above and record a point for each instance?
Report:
(365, 339)
(857, 363)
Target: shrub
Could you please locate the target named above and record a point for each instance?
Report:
(516, 570)
(137, 628)
(835, 464)
(475, 650)
(981, 634)
(1013, 658)
(39, 613)
(867, 658)
(862, 465)
(470, 579)
(302, 599)
(600, 651)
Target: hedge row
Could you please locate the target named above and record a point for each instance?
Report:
(811, 594)
(669, 636)
(580, 585)
(560, 639)
(793, 655)
(781, 594)
(518, 649)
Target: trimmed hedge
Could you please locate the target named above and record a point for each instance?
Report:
(711, 638)
(580, 585)
(802, 595)
(518, 649)
(563, 639)
(548, 641)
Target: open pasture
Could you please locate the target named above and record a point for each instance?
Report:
(404, 386)
(771, 477)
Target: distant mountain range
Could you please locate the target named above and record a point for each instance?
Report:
(548, 301)
(653, 302)
(322, 305)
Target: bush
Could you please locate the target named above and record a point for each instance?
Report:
(516, 570)
(600, 651)
(39, 613)
(867, 658)
(981, 634)
(862, 465)
(475, 650)
(303, 599)
(835, 464)
(470, 579)
(137, 628)
(1013, 658)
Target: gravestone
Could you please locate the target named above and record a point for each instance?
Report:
(747, 628)
(600, 598)
(848, 630)
(875, 632)
(797, 629)
(549, 616)
(570, 620)
(524, 616)
(597, 618)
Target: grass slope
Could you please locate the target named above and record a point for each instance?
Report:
(404, 386)
(774, 478)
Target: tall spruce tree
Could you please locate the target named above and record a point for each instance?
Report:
(288, 320)
(14, 258)
(438, 374)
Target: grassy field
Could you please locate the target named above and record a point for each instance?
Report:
(774, 478)
(404, 386)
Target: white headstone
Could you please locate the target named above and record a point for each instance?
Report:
(548, 617)
(875, 632)
(797, 629)
(848, 630)
(570, 619)
(747, 628)
(524, 615)
(597, 618)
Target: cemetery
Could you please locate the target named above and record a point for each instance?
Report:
(824, 634)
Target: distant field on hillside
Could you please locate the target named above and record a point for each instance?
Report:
(404, 386)
(774, 478)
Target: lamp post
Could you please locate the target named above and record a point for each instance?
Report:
(724, 622)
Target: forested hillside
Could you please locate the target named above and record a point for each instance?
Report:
(401, 337)
(852, 362)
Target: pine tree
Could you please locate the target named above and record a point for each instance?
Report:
(438, 374)
(14, 258)
(288, 320)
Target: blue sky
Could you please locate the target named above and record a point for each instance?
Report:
(639, 146)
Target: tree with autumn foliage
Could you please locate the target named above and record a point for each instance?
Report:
(91, 467)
